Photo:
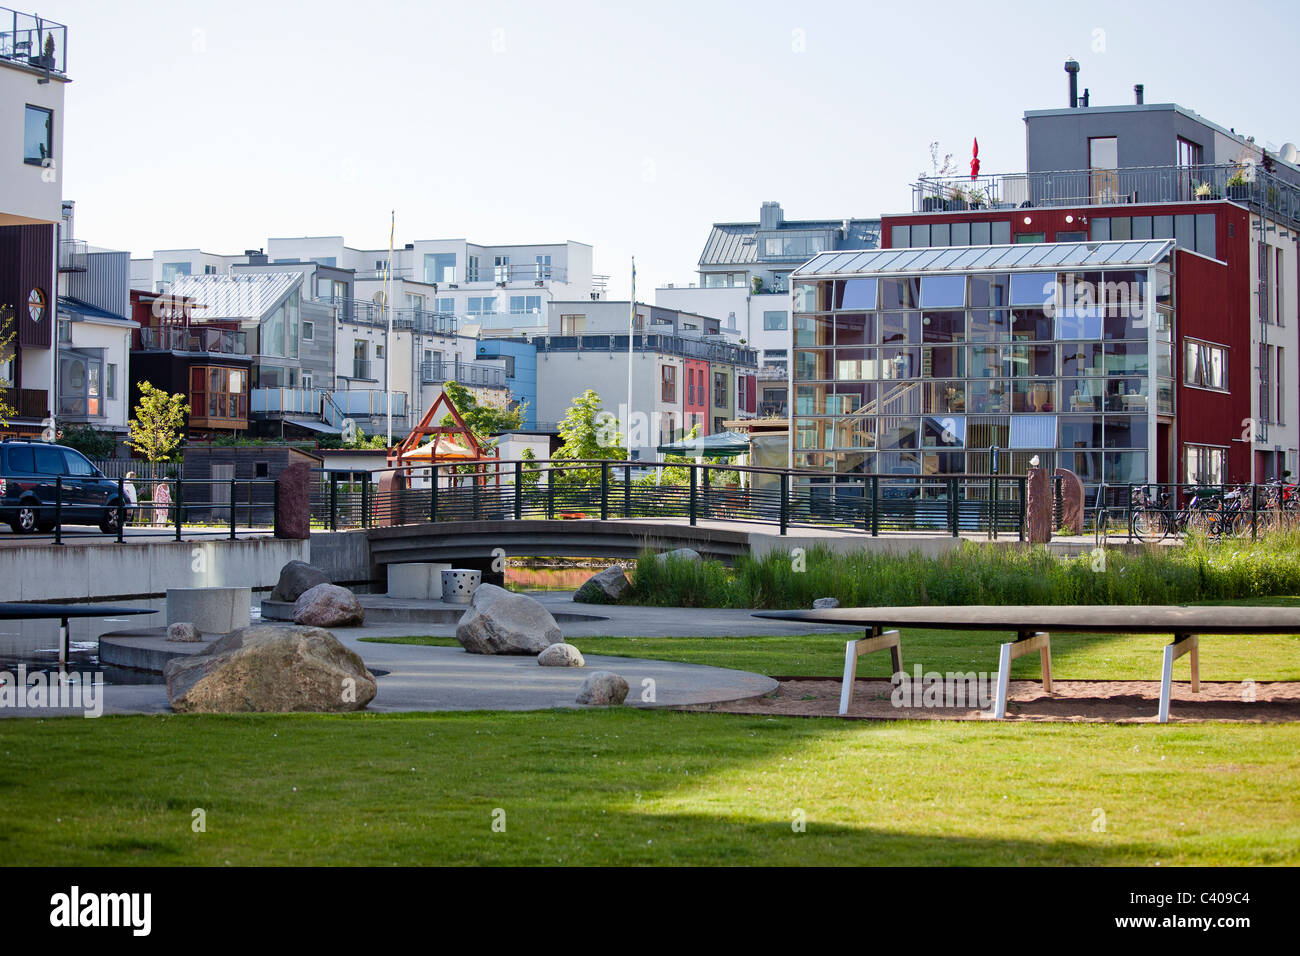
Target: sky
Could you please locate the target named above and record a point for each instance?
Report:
(631, 127)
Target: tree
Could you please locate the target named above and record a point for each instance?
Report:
(7, 333)
(486, 418)
(91, 443)
(155, 432)
(530, 473)
(676, 475)
(588, 434)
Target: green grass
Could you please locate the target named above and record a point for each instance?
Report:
(1199, 570)
(637, 787)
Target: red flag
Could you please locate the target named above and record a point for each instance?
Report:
(975, 160)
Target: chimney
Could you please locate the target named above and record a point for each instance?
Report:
(770, 216)
(1084, 102)
(1072, 68)
(1137, 94)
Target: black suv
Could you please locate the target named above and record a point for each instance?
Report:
(28, 473)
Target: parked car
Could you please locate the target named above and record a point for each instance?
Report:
(29, 473)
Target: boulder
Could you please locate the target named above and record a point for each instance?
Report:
(681, 554)
(295, 578)
(602, 688)
(328, 605)
(826, 602)
(183, 632)
(561, 655)
(270, 668)
(604, 588)
(499, 622)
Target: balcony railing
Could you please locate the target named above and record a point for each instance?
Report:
(773, 373)
(28, 402)
(361, 368)
(366, 312)
(1138, 184)
(311, 401)
(529, 272)
(466, 373)
(670, 344)
(33, 41)
(72, 255)
(367, 402)
(192, 339)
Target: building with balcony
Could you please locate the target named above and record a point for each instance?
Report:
(94, 333)
(665, 401)
(33, 75)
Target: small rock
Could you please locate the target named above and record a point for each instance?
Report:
(604, 588)
(681, 554)
(182, 632)
(602, 689)
(295, 578)
(328, 605)
(561, 655)
(826, 602)
(499, 622)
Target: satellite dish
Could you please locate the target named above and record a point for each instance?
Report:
(379, 298)
(1287, 153)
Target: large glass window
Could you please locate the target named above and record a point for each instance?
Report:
(1205, 365)
(943, 292)
(38, 136)
(990, 291)
(774, 320)
(856, 294)
(1033, 288)
(1204, 464)
(440, 267)
(900, 293)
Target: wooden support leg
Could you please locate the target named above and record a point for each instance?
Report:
(1026, 643)
(874, 641)
(1183, 644)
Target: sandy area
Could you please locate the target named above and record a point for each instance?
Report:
(1099, 701)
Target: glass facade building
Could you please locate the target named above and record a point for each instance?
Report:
(921, 361)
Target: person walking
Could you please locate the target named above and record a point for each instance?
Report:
(132, 496)
(162, 499)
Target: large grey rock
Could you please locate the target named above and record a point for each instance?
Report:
(681, 554)
(295, 578)
(561, 655)
(328, 605)
(607, 587)
(183, 632)
(602, 688)
(273, 669)
(826, 602)
(499, 622)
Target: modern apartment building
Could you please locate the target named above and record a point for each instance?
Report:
(1130, 322)
(744, 281)
(33, 74)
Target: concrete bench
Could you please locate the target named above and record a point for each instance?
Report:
(211, 610)
(421, 580)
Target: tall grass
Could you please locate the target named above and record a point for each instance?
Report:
(979, 574)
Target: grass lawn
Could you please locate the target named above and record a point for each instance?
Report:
(638, 787)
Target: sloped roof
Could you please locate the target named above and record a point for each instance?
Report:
(245, 296)
(1027, 257)
(726, 244)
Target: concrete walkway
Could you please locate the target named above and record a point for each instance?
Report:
(422, 678)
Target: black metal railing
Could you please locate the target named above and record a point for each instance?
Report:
(614, 490)
(73, 507)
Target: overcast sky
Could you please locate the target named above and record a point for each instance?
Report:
(631, 127)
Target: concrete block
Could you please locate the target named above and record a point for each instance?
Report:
(211, 610)
(421, 580)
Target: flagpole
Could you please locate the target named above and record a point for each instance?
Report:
(388, 342)
(631, 333)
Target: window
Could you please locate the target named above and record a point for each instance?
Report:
(308, 332)
(1204, 464)
(217, 392)
(1205, 365)
(719, 388)
(782, 246)
(482, 305)
(572, 324)
(171, 270)
(1103, 161)
(110, 382)
(360, 359)
(525, 304)
(1279, 410)
(776, 320)
(471, 268)
(445, 305)
(668, 383)
(38, 136)
(501, 268)
(379, 351)
(440, 267)
(543, 267)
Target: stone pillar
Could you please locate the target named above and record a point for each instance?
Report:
(389, 499)
(293, 506)
(1071, 501)
(1038, 517)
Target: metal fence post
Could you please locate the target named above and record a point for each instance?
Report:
(275, 507)
(604, 491)
(993, 508)
(58, 510)
(627, 491)
(365, 500)
(180, 506)
(785, 500)
(550, 492)
(475, 493)
(875, 506)
(233, 491)
(519, 490)
(121, 508)
(433, 493)
(694, 492)
(334, 501)
(1024, 504)
(1254, 512)
(953, 515)
(705, 490)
